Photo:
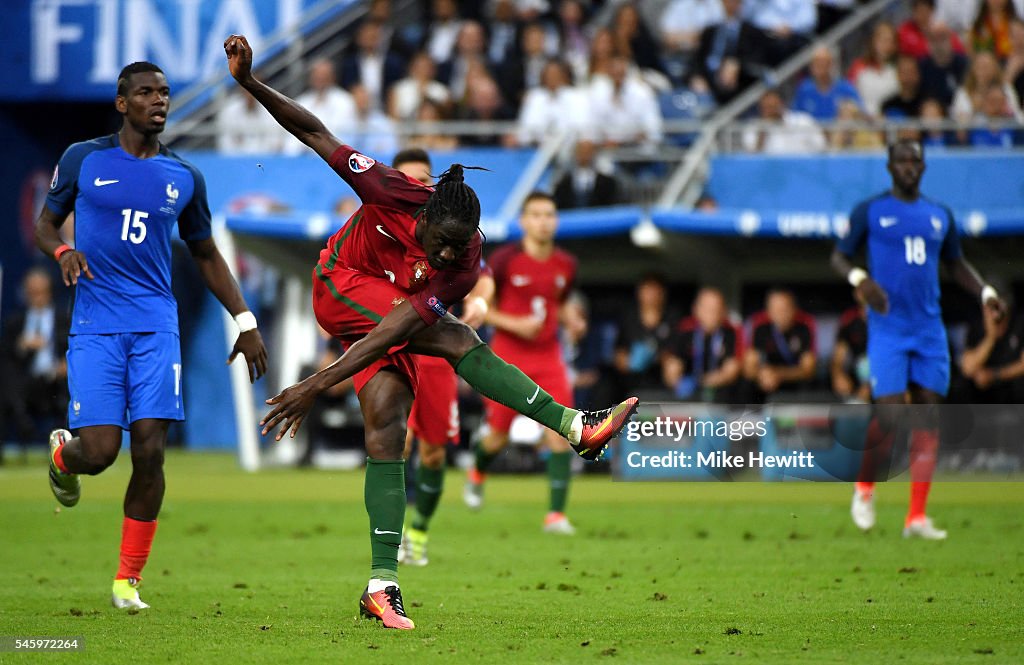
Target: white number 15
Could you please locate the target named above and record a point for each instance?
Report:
(133, 228)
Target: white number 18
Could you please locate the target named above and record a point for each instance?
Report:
(916, 252)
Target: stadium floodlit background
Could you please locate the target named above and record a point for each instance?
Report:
(724, 158)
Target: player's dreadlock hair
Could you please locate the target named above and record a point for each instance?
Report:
(134, 68)
(454, 200)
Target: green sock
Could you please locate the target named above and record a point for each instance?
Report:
(495, 379)
(484, 458)
(429, 485)
(384, 493)
(559, 465)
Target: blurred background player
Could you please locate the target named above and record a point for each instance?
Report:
(906, 236)
(383, 284)
(434, 421)
(127, 191)
(532, 282)
(849, 370)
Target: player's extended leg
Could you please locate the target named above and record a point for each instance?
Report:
(882, 431)
(588, 432)
(93, 450)
(142, 502)
(559, 477)
(385, 401)
(924, 448)
(429, 486)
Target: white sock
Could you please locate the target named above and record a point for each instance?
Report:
(376, 585)
(576, 429)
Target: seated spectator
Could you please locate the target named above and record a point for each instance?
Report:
(583, 186)
(906, 103)
(993, 361)
(554, 106)
(429, 136)
(634, 40)
(730, 55)
(873, 74)
(644, 334)
(602, 50)
(573, 37)
(1013, 72)
(912, 33)
(470, 53)
(483, 103)
(944, 69)
(703, 358)
(851, 376)
(624, 110)
(244, 127)
(853, 137)
(780, 131)
(682, 24)
(984, 73)
(787, 24)
(34, 399)
(503, 26)
(443, 30)
(991, 29)
(523, 71)
(782, 356)
(324, 99)
(934, 135)
(995, 109)
(820, 94)
(374, 132)
(368, 64)
(420, 83)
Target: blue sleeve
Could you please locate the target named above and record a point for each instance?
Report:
(951, 243)
(858, 232)
(194, 221)
(64, 185)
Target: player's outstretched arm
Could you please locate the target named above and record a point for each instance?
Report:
(222, 284)
(293, 403)
(72, 262)
(289, 114)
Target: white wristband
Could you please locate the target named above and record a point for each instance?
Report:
(481, 303)
(246, 321)
(856, 276)
(988, 293)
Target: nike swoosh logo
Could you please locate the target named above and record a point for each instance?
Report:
(886, 222)
(381, 229)
(535, 393)
(381, 533)
(100, 183)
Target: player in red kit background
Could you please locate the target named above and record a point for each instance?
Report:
(532, 281)
(383, 286)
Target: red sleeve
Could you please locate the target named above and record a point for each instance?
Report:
(448, 287)
(379, 184)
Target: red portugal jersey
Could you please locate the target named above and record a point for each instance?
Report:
(380, 238)
(524, 285)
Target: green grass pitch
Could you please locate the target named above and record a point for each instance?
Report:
(268, 568)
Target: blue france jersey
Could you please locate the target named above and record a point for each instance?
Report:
(125, 208)
(905, 241)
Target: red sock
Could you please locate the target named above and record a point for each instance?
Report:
(877, 447)
(924, 447)
(136, 541)
(58, 459)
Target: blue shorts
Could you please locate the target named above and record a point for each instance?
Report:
(120, 378)
(897, 360)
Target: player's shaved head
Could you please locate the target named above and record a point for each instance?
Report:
(906, 145)
(124, 78)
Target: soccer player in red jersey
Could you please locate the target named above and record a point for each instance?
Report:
(532, 280)
(434, 421)
(383, 286)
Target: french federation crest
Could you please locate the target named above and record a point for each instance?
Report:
(359, 163)
(172, 199)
